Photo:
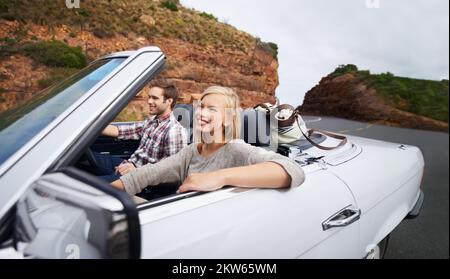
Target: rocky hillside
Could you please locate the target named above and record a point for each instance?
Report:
(385, 99)
(42, 41)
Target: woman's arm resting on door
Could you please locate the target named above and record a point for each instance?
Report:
(262, 175)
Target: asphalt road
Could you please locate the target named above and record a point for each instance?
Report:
(426, 236)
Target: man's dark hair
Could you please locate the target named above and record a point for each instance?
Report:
(170, 92)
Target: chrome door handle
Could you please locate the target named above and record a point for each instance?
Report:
(342, 218)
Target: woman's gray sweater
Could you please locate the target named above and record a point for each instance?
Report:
(176, 168)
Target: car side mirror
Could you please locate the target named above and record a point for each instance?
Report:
(71, 214)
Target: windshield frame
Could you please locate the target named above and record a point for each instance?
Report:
(22, 151)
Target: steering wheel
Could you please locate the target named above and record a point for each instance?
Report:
(89, 155)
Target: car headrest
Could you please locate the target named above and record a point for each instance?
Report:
(255, 124)
(255, 127)
(184, 114)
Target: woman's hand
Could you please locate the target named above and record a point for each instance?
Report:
(125, 168)
(203, 182)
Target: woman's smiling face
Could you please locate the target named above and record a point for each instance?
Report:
(209, 114)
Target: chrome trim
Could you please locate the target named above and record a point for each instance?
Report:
(128, 53)
(167, 199)
(121, 54)
(342, 218)
(349, 154)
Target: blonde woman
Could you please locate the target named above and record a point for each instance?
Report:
(218, 156)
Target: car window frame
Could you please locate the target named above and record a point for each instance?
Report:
(8, 163)
(72, 153)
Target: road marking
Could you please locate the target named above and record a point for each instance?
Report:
(317, 119)
(357, 129)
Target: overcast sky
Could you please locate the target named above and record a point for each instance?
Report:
(405, 37)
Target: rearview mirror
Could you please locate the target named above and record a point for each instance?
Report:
(73, 215)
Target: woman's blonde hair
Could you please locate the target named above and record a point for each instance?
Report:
(232, 131)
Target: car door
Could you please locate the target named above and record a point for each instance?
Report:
(115, 147)
(255, 223)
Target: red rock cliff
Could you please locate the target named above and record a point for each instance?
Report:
(347, 96)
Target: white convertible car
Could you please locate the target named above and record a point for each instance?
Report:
(52, 207)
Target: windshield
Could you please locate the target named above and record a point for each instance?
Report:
(19, 124)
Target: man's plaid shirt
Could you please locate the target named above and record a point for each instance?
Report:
(160, 138)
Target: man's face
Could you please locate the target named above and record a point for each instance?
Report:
(156, 103)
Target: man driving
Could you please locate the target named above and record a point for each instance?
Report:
(161, 135)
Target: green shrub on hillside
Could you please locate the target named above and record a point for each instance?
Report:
(208, 16)
(83, 12)
(269, 47)
(2, 90)
(274, 49)
(170, 4)
(55, 54)
(344, 69)
(55, 75)
(8, 46)
(3, 6)
(423, 97)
